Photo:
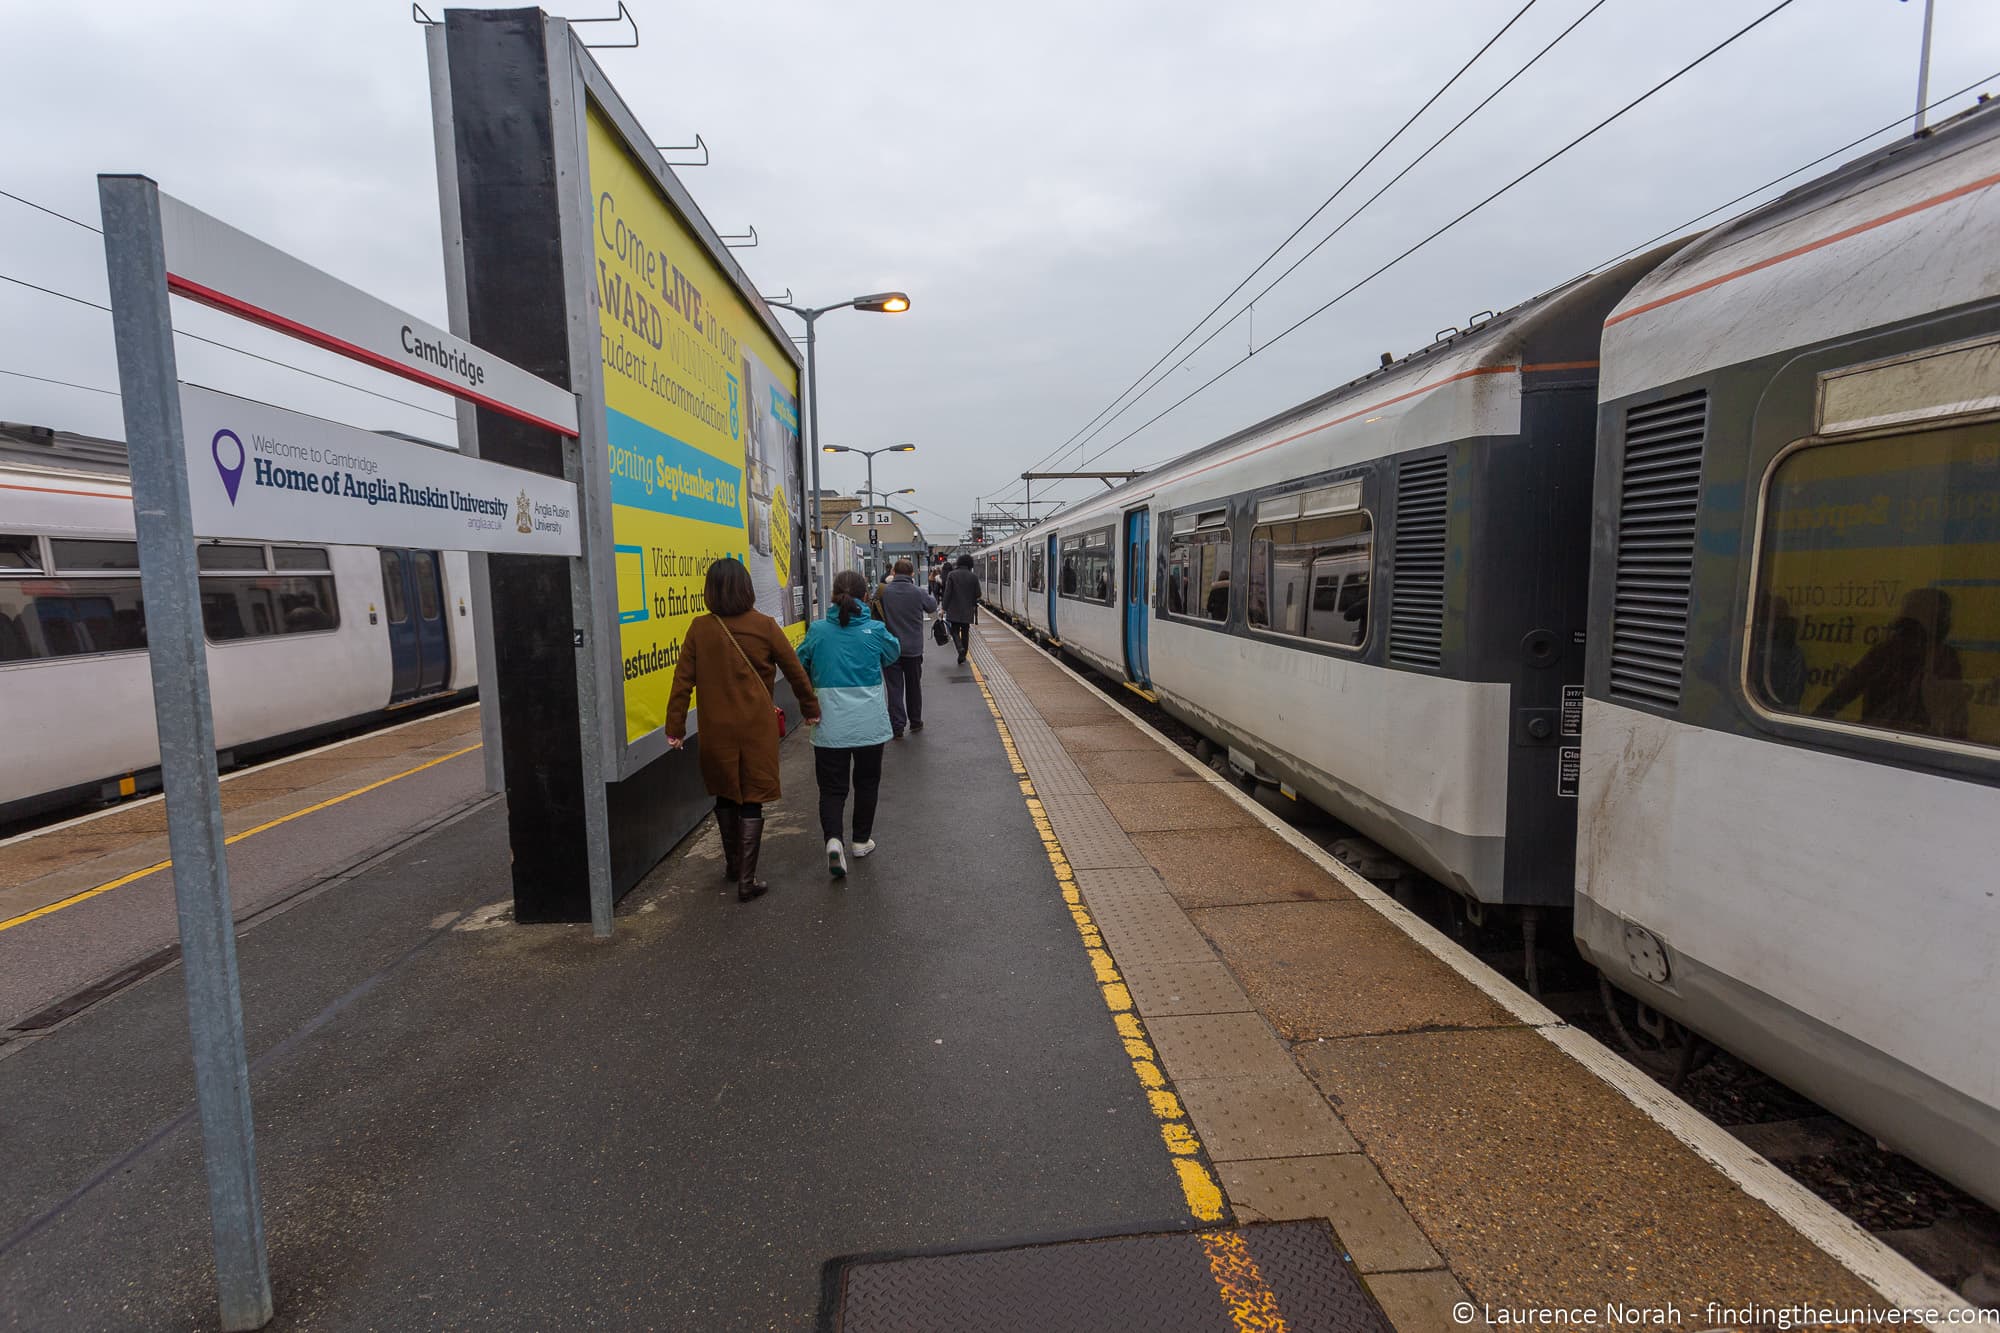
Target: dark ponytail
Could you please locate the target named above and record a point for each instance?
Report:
(848, 590)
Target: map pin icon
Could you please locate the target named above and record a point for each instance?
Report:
(232, 473)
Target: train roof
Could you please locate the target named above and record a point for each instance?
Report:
(1558, 328)
(45, 449)
(1895, 234)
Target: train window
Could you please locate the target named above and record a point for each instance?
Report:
(392, 588)
(1876, 602)
(1198, 557)
(1086, 567)
(86, 557)
(220, 556)
(1035, 577)
(1007, 570)
(1311, 564)
(42, 617)
(235, 608)
(305, 559)
(20, 554)
(424, 566)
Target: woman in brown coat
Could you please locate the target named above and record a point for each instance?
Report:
(729, 659)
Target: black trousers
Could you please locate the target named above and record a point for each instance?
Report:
(961, 634)
(748, 809)
(830, 766)
(903, 680)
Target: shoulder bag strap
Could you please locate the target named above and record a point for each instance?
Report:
(737, 644)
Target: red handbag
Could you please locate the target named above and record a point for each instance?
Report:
(779, 709)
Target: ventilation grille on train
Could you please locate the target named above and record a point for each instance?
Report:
(1661, 488)
(1416, 589)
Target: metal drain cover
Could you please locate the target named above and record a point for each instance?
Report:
(1290, 1276)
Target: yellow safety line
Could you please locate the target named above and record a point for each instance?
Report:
(1252, 1304)
(1204, 1196)
(231, 841)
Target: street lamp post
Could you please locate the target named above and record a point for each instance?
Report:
(889, 303)
(874, 543)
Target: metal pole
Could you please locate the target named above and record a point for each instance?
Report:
(874, 538)
(1924, 69)
(818, 548)
(142, 329)
(596, 811)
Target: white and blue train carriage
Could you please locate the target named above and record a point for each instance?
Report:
(1376, 598)
(1791, 742)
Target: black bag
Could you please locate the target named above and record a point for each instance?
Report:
(939, 634)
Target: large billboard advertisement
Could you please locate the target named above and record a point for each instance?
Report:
(701, 429)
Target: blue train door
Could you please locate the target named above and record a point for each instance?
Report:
(1049, 579)
(1138, 563)
(413, 607)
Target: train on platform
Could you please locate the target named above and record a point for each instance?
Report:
(303, 640)
(1668, 600)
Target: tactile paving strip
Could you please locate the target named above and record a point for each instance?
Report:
(1256, 1118)
(1109, 887)
(1289, 1275)
(1183, 986)
(1143, 934)
(1090, 837)
(1049, 766)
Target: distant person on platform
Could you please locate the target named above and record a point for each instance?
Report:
(961, 604)
(732, 656)
(902, 606)
(846, 653)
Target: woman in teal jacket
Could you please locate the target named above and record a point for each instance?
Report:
(844, 654)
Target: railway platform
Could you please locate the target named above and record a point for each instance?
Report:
(1090, 1042)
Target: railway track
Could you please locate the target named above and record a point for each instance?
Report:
(1945, 1232)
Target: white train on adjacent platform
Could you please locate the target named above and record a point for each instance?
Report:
(302, 639)
(1671, 597)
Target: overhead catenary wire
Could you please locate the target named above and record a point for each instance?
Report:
(52, 212)
(1348, 291)
(67, 384)
(1293, 267)
(1279, 249)
(240, 351)
(1847, 147)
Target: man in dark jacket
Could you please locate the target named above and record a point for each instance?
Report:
(902, 606)
(961, 604)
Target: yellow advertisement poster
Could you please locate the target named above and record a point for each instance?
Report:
(701, 426)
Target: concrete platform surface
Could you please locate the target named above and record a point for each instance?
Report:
(467, 1124)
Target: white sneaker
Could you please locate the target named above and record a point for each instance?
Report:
(836, 859)
(863, 848)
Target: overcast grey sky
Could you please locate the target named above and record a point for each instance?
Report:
(1063, 188)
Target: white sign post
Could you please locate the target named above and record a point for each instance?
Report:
(205, 464)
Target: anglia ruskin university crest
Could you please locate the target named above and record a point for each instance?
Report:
(523, 522)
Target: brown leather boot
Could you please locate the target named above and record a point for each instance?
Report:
(729, 822)
(752, 839)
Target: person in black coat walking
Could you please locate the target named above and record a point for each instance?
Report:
(961, 604)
